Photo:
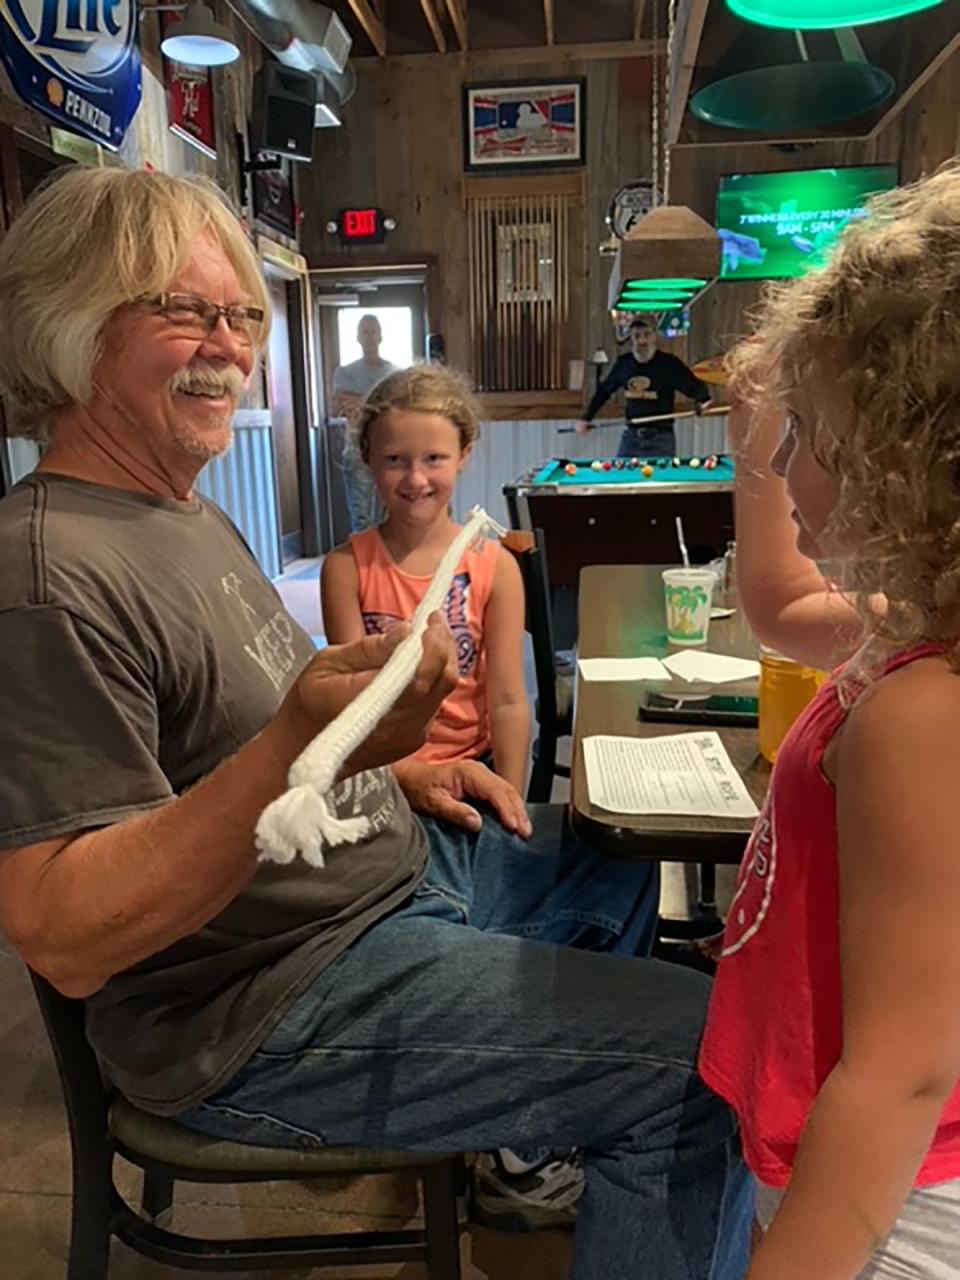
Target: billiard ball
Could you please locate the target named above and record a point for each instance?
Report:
(571, 468)
(677, 462)
(596, 465)
(608, 465)
(619, 463)
(663, 462)
(694, 463)
(647, 470)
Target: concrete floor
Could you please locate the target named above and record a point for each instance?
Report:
(35, 1157)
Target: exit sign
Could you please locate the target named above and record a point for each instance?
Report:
(361, 226)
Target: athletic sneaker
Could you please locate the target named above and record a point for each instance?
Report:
(514, 1194)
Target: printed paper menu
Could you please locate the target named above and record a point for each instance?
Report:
(684, 773)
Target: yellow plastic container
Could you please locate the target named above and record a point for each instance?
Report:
(785, 689)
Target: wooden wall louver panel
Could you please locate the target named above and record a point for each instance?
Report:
(518, 290)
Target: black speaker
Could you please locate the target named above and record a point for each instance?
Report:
(282, 114)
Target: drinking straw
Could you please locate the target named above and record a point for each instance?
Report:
(684, 554)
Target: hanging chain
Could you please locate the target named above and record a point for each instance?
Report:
(667, 144)
(655, 105)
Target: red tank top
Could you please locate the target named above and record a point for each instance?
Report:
(461, 729)
(774, 1028)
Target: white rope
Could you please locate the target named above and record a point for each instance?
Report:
(303, 820)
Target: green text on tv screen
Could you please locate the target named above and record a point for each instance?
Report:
(777, 225)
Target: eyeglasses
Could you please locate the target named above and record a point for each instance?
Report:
(197, 317)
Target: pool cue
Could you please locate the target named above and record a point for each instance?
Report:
(720, 411)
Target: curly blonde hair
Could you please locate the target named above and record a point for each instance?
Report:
(424, 388)
(881, 321)
(87, 242)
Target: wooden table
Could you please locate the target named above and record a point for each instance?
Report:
(621, 615)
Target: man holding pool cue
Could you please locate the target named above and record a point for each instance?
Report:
(650, 379)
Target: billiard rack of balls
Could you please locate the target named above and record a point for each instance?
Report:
(646, 467)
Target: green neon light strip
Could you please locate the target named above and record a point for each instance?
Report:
(656, 304)
(654, 297)
(674, 291)
(645, 297)
(819, 15)
(663, 284)
(662, 300)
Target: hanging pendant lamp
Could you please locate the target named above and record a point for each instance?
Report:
(669, 255)
(822, 15)
(198, 39)
(664, 261)
(806, 82)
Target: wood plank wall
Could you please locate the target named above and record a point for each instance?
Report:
(401, 147)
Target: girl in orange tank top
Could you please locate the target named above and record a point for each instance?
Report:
(415, 433)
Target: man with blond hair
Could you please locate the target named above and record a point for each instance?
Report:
(415, 992)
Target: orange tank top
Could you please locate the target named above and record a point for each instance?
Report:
(461, 730)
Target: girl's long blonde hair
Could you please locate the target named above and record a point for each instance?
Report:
(882, 323)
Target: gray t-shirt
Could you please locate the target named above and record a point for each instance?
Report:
(141, 645)
(360, 376)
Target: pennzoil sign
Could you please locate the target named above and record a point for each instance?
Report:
(77, 61)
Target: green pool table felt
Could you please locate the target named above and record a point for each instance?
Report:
(553, 473)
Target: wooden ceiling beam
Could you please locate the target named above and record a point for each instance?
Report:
(691, 15)
(458, 16)
(433, 22)
(372, 25)
(639, 7)
(560, 56)
(548, 20)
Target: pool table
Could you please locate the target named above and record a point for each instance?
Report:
(621, 515)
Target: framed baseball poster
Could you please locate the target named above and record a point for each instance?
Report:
(522, 125)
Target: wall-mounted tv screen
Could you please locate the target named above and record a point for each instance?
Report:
(777, 225)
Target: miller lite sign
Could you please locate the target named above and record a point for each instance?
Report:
(77, 61)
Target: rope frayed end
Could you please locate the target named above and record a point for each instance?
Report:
(301, 821)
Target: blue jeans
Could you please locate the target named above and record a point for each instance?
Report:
(363, 501)
(647, 442)
(481, 1014)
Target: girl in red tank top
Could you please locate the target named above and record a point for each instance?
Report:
(415, 432)
(834, 1028)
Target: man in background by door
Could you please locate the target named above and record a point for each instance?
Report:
(650, 379)
(351, 383)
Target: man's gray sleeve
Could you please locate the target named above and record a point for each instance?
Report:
(79, 728)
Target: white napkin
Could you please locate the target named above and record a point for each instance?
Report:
(623, 669)
(711, 668)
